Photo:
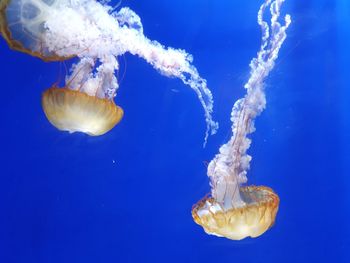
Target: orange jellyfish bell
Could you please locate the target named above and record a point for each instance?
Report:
(252, 219)
(86, 103)
(22, 24)
(75, 111)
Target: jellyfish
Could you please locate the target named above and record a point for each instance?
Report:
(232, 210)
(97, 34)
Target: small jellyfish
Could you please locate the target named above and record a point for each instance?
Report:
(97, 35)
(233, 211)
(83, 105)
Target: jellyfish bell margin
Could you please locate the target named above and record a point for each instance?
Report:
(252, 219)
(22, 26)
(75, 111)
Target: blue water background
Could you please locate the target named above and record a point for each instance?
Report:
(127, 196)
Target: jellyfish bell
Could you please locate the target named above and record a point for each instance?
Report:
(75, 111)
(86, 103)
(22, 24)
(251, 219)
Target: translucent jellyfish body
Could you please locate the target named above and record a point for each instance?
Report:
(233, 211)
(22, 24)
(96, 34)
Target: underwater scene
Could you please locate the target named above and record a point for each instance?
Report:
(174, 131)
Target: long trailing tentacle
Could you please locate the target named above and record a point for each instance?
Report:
(229, 167)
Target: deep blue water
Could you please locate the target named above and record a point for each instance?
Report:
(127, 196)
